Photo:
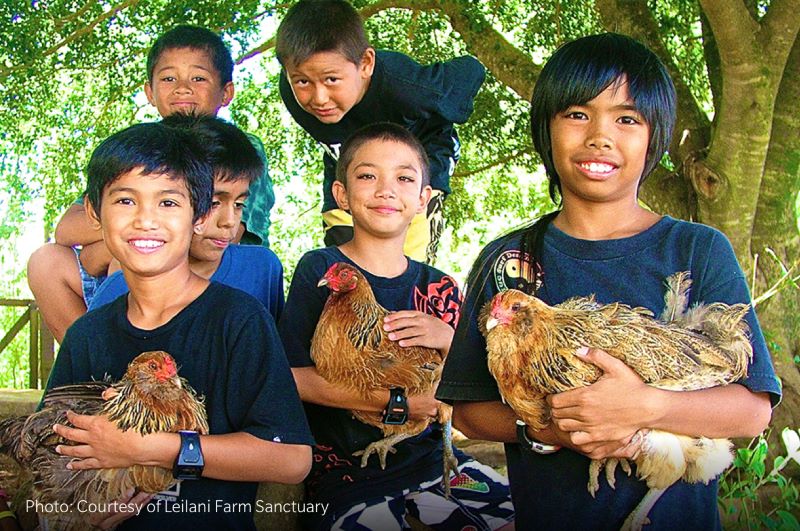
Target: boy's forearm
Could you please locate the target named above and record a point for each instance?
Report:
(234, 457)
(95, 258)
(488, 421)
(315, 389)
(74, 228)
(717, 412)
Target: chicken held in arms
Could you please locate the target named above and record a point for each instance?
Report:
(150, 398)
(350, 348)
(531, 353)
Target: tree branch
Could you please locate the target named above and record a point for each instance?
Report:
(4, 72)
(779, 28)
(734, 30)
(494, 163)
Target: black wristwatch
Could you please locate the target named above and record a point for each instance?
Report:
(396, 411)
(530, 444)
(189, 463)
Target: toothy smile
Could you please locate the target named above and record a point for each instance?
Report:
(146, 244)
(597, 167)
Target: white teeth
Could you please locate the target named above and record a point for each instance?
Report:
(147, 244)
(597, 167)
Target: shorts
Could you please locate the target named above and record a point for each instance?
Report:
(480, 500)
(89, 284)
(422, 239)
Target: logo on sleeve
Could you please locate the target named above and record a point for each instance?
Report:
(513, 270)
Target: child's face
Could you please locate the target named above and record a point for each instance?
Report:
(384, 188)
(146, 222)
(327, 85)
(599, 148)
(185, 80)
(219, 229)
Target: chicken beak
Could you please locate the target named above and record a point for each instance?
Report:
(177, 382)
(323, 282)
(491, 323)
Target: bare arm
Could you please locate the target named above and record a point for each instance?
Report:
(232, 457)
(620, 403)
(315, 389)
(95, 258)
(74, 228)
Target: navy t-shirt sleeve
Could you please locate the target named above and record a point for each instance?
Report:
(261, 395)
(303, 308)
(724, 281)
(466, 375)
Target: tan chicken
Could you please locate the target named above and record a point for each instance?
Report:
(350, 348)
(150, 398)
(531, 353)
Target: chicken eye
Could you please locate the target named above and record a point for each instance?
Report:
(153, 365)
(515, 307)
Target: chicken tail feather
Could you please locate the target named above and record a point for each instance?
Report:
(676, 298)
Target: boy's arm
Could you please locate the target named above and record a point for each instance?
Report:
(95, 258)
(621, 403)
(315, 389)
(74, 228)
(233, 456)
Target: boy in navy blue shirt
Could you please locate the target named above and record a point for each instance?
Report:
(333, 83)
(149, 186)
(212, 255)
(382, 179)
(602, 114)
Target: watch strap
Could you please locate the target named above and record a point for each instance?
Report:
(396, 411)
(531, 444)
(189, 463)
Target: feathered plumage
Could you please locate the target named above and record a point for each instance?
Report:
(350, 348)
(531, 353)
(150, 398)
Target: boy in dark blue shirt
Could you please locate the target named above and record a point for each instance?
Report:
(149, 187)
(602, 114)
(333, 83)
(382, 179)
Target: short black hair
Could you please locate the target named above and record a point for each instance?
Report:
(312, 26)
(196, 38)
(233, 157)
(581, 69)
(387, 132)
(153, 148)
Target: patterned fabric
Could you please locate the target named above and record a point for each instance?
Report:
(89, 283)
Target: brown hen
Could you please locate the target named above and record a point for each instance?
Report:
(350, 348)
(531, 353)
(150, 398)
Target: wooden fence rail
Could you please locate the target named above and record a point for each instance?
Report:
(41, 348)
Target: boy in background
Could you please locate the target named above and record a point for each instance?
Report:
(212, 255)
(333, 83)
(382, 179)
(148, 187)
(189, 70)
(602, 115)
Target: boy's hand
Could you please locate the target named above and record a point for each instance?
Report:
(424, 406)
(416, 329)
(101, 443)
(133, 502)
(612, 409)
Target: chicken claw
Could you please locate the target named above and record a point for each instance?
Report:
(382, 448)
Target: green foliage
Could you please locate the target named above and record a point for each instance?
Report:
(755, 495)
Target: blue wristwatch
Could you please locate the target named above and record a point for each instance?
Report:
(396, 411)
(189, 463)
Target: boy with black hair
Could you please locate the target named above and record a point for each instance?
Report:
(189, 70)
(602, 114)
(148, 187)
(333, 83)
(382, 178)
(212, 255)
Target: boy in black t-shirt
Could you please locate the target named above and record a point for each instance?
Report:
(149, 187)
(382, 180)
(333, 83)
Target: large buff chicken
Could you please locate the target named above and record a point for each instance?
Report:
(350, 348)
(531, 353)
(150, 398)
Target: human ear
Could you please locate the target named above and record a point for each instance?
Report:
(199, 226)
(340, 194)
(424, 197)
(92, 216)
(148, 91)
(367, 65)
(227, 93)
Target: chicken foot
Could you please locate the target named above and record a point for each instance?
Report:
(610, 465)
(382, 448)
(638, 518)
(449, 460)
